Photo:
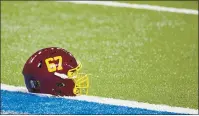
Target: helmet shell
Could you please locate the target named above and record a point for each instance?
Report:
(39, 80)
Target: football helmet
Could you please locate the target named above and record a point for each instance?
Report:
(55, 71)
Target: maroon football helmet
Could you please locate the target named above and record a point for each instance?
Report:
(55, 71)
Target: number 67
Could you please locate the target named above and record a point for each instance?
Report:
(52, 66)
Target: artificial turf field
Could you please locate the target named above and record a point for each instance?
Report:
(132, 54)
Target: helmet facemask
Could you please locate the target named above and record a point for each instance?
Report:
(80, 79)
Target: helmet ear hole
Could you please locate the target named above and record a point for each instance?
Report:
(34, 84)
(60, 84)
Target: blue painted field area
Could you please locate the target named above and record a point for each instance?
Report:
(21, 103)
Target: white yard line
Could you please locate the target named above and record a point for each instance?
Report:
(138, 6)
(118, 102)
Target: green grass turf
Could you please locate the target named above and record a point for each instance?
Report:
(131, 54)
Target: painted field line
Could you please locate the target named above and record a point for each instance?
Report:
(138, 6)
(111, 101)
